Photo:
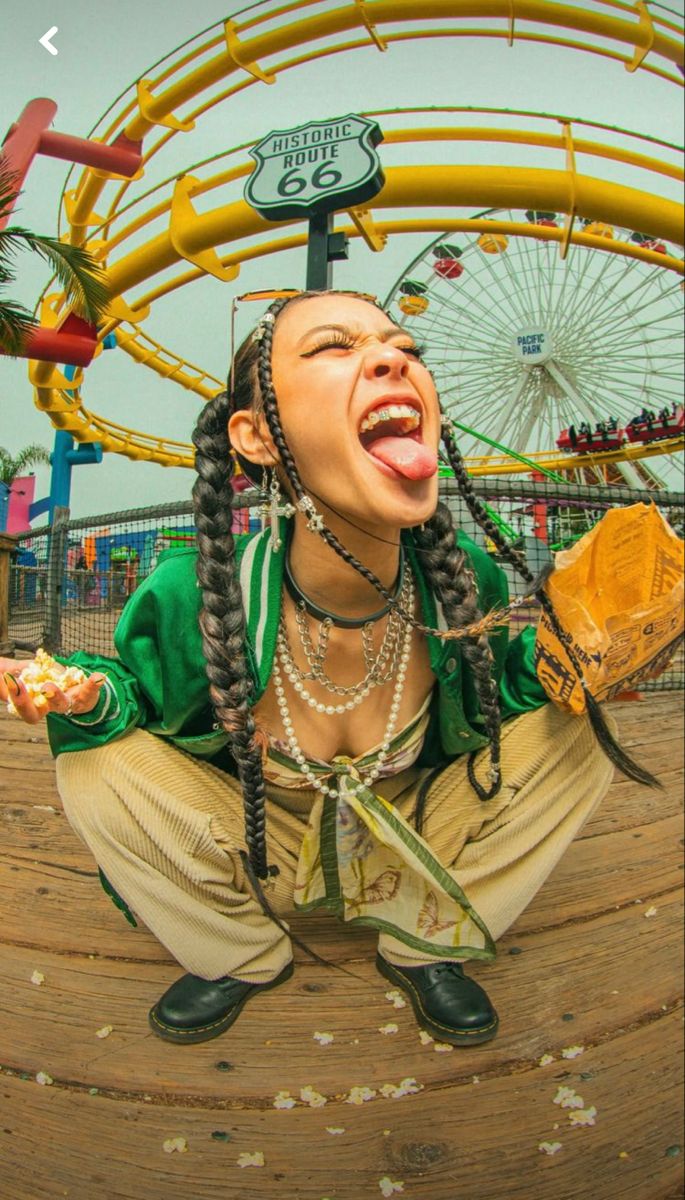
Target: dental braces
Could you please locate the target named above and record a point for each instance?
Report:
(404, 413)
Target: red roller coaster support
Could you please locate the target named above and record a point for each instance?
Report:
(74, 340)
(31, 135)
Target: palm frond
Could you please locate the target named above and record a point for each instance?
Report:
(9, 190)
(16, 322)
(13, 239)
(13, 466)
(31, 456)
(79, 273)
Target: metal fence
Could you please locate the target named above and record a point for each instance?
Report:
(70, 581)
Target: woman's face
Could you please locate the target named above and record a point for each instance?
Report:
(358, 409)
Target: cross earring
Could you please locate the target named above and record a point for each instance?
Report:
(278, 507)
(275, 501)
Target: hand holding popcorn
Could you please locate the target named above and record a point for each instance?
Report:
(33, 689)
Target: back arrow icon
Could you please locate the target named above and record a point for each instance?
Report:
(45, 40)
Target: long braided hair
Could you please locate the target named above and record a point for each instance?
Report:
(222, 620)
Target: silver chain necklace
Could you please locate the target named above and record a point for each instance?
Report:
(380, 667)
(368, 777)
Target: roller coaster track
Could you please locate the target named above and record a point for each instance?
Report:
(181, 237)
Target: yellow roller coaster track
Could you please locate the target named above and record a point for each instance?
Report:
(185, 237)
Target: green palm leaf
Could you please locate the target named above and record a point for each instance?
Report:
(16, 322)
(8, 190)
(77, 271)
(14, 466)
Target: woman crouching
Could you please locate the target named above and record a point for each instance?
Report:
(327, 714)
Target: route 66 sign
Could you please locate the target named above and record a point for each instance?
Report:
(316, 168)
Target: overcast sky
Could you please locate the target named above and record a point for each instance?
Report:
(104, 47)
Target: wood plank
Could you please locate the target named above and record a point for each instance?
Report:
(629, 805)
(454, 1139)
(610, 869)
(38, 829)
(617, 973)
(660, 714)
(583, 949)
(13, 763)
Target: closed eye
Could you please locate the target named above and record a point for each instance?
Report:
(415, 351)
(332, 341)
(342, 341)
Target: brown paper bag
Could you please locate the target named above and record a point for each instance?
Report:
(618, 594)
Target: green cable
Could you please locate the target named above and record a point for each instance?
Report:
(500, 522)
(511, 453)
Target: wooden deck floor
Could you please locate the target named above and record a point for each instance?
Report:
(585, 965)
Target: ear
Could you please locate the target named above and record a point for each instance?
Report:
(249, 436)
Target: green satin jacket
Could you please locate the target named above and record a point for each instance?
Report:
(158, 680)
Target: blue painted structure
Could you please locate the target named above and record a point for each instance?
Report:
(4, 505)
(63, 458)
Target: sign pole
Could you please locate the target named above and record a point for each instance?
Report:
(319, 268)
(323, 248)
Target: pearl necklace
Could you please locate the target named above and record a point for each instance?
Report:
(300, 758)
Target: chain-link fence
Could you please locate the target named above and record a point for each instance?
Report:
(69, 582)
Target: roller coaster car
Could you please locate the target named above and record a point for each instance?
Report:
(584, 441)
(650, 427)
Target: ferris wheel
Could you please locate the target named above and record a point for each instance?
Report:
(524, 344)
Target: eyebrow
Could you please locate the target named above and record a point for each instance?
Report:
(384, 334)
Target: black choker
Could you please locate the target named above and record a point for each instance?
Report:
(321, 614)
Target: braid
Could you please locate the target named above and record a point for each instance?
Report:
(477, 509)
(451, 579)
(614, 752)
(222, 620)
(222, 624)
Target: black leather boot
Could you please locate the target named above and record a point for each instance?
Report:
(447, 1004)
(195, 1009)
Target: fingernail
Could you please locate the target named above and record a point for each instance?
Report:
(48, 690)
(11, 683)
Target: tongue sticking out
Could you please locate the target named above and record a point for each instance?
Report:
(407, 457)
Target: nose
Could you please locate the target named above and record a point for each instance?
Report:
(381, 359)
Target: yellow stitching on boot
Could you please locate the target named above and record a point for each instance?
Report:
(186, 1032)
(438, 1024)
(203, 1028)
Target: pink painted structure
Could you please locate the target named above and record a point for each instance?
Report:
(20, 500)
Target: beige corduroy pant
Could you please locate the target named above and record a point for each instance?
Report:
(166, 828)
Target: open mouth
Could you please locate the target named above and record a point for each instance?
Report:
(391, 435)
